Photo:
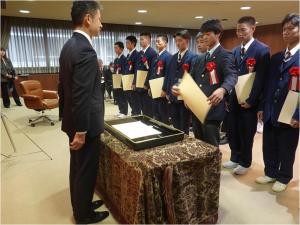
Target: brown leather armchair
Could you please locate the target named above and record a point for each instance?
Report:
(38, 99)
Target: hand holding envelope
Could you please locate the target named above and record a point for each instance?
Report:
(289, 107)
(117, 80)
(244, 87)
(127, 82)
(193, 97)
(141, 78)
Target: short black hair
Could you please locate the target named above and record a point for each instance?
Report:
(199, 35)
(81, 8)
(184, 34)
(146, 34)
(132, 39)
(164, 37)
(213, 25)
(120, 44)
(3, 49)
(291, 17)
(247, 19)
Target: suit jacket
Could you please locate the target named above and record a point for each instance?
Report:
(6, 68)
(277, 87)
(133, 58)
(121, 62)
(108, 76)
(227, 76)
(150, 54)
(175, 72)
(165, 59)
(81, 101)
(261, 53)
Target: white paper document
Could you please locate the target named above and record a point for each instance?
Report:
(136, 129)
(244, 86)
(289, 107)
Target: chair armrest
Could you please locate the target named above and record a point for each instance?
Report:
(50, 94)
(31, 97)
(33, 102)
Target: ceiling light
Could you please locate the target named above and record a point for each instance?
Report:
(142, 11)
(198, 17)
(245, 7)
(24, 11)
(138, 23)
(256, 22)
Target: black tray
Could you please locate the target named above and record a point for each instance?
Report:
(168, 134)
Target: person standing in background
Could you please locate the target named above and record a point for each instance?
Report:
(101, 74)
(119, 64)
(8, 75)
(81, 105)
(108, 79)
(242, 118)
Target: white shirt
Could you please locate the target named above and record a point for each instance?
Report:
(129, 54)
(293, 50)
(159, 54)
(84, 34)
(211, 51)
(144, 50)
(246, 46)
(119, 56)
(182, 53)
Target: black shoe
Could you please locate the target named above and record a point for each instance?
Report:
(94, 218)
(6, 106)
(19, 104)
(97, 204)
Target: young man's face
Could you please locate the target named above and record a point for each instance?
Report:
(211, 39)
(129, 45)
(160, 44)
(244, 32)
(94, 23)
(290, 33)
(201, 46)
(181, 43)
(118, 50)
(144, 41)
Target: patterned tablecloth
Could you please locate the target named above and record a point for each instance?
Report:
(175, 183)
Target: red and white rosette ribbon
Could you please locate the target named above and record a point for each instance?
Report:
(250, 64)
(213, 77)
(130, 65)
(118, 69)
(160, 66)
(145, 61)
(294, 80)
(186, 67)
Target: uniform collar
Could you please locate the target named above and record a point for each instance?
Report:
(293, 50)
(144, 50)
(182, 53)
(160, 53)
(211, 51)
(246, 46)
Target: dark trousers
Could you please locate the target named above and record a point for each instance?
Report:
(146, 103)
(242, 125)
(5, 86)
(83, 173)
(103, 89)
(160, 110)
(208, 132)
(279, 149)
(108, 88)
(121, 101)
(134, 102)
(180, 116)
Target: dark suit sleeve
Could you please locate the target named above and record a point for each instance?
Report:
(230, 72)
(296, 113)
(136, 60)
(257, 89)
(167, 74)
(61, 99)
(84, 75)
(151, 58)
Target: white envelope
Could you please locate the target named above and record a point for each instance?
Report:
(117, 80)
(289, 107)
(156, 87)
(141, 78)
(193, 96)
(244, 87)
(127, 82)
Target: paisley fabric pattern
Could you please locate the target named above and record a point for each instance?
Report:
(175, 183)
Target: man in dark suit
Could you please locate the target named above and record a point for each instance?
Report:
(81, 105)
(242, 118)
(214, 85)
(145, 58)
(180, 62)
(108, 78)
(131, 68)
(158, 69)
(119, 68)
(280, 140)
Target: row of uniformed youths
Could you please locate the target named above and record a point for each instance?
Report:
(270, 88)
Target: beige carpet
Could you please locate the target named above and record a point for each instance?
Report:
(34, 189)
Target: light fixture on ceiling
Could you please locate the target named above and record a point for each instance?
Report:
(245, 8)
(138, 23)
(256, 22)
(198, 17)
(142, 11)
(24, 11)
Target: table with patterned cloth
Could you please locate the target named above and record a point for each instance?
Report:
(175, 183)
